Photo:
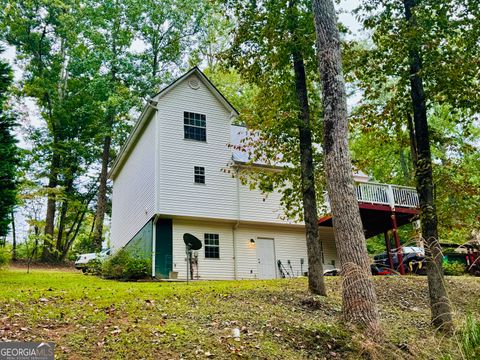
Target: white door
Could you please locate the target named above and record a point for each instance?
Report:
(266, 258)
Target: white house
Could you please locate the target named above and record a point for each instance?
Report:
(168, 181)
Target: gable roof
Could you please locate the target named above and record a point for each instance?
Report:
(151, 107)
(206, 81)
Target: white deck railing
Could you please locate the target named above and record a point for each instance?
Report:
(384, 194)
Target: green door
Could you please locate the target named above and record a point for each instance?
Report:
(163, 248)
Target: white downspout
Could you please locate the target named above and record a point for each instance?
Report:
(157, 185)
(235, 227)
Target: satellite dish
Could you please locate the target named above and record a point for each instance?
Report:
(192, 242)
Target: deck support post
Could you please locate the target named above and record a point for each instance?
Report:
(397, 243)
(389, 249)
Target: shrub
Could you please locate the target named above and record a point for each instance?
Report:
(126, 266)
(5, 256)
(94, 267)
(453, 268)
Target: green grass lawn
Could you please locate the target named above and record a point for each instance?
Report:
(90, 318)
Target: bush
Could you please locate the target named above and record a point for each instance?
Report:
(126, 266)
(94, 267)
(453, 268)
(5, 256)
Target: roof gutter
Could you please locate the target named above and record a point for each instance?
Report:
(250, 165)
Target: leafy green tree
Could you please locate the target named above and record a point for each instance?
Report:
(422, 55)
(272, 49)
(60, 75)
(44, 34)
(88, 66)
(109, 33)
(129, 76)
(167, 34)
(8, 153)
(230, 84)
(384, 153)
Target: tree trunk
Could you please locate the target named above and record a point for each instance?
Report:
(439, 302)
(47, 252)
(63, 218)
(14, 238)
(70, 240)
(102, 196)
(61, 228)
(413, 141)
(72, 233)
(316, 283)
(359, 298)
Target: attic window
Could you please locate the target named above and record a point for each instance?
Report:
(195, 126)
(194, 84)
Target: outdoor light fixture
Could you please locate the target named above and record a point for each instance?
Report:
(252, 241)
(251, 244)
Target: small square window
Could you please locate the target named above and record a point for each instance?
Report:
(212, 246)
(199, 175)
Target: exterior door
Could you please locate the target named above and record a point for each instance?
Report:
(163, 248)
(266, 259)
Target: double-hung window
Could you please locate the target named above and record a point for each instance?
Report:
(194, 126)
(199, 174)
(212, 246)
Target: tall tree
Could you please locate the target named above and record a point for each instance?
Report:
(43, 33)
(440, 305)
(272, 48)
(60, 75)
(423, 54)
(169, 34)
(359, 298)
(307, 169)
(133, 75)
(110, 32)
(9, 154)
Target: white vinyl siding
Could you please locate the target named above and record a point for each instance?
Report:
(177, 156)
(208, 269)
(289, 244)
(133, 198)
(258, 207)
(178, 194)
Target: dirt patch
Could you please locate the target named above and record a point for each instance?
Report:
(23, 265)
